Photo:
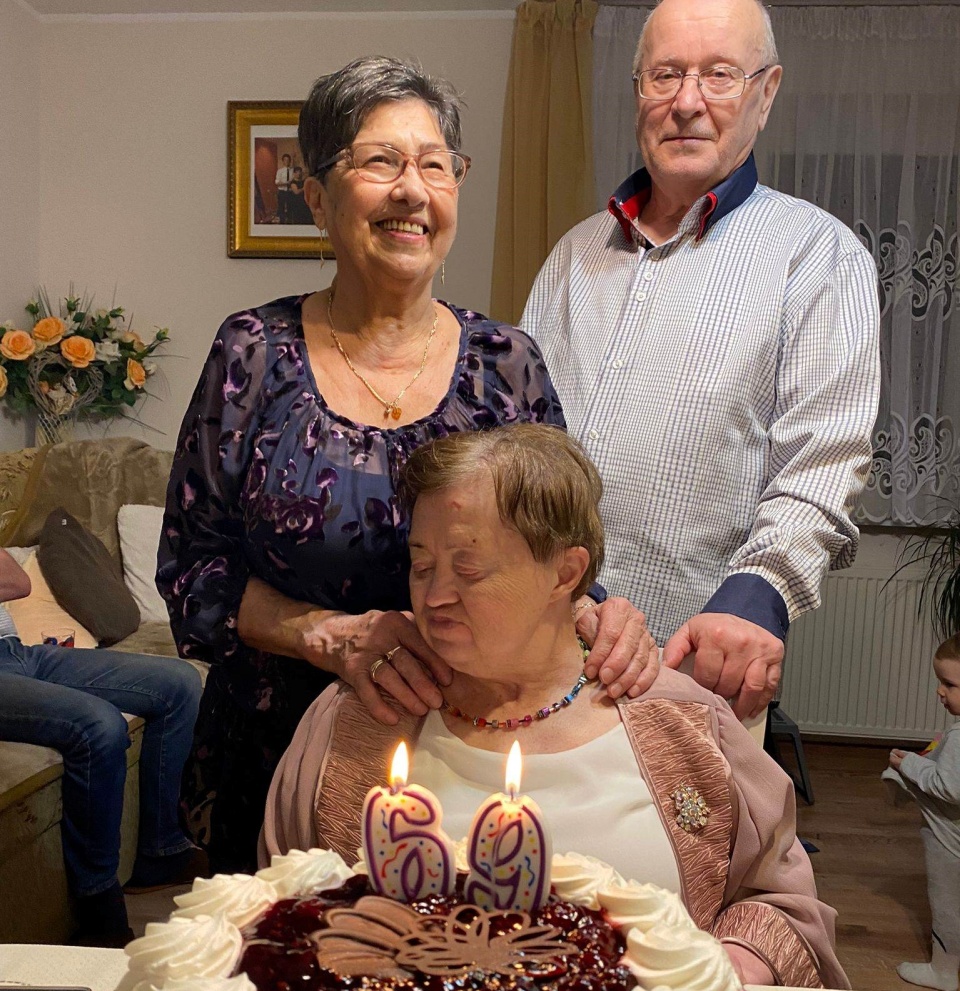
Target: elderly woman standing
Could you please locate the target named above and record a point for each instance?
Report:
(505, 534)
(284, 558)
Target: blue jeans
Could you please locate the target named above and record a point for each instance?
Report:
(71, 699)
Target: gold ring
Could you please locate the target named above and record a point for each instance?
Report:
(388, 656)
(375, 667)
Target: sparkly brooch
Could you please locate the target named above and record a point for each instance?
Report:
(692, 811)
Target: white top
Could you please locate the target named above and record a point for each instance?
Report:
(593, 798)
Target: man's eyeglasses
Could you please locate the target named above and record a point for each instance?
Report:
(440, 168)
(719, 82)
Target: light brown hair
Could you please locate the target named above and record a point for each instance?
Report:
(546, 486)
(949, 650)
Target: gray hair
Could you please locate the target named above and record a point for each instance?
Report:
(338, 103)
(768, 51)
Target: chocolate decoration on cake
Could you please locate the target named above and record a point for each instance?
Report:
(467, 940)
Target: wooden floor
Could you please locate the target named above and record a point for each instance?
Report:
(869, 867)
(870, 864)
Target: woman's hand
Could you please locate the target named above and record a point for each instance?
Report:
(356, 643)
(749, 967)
(622, 652)
(896, 758)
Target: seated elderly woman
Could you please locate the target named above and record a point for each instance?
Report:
(505, 535)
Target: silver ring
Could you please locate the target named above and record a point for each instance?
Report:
(375, 667)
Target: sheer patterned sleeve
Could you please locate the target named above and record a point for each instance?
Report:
(202, 569)
(518, 383)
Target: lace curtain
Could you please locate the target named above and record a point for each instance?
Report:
(867, 126)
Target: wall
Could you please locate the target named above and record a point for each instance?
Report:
(19, 178)
(132, 152)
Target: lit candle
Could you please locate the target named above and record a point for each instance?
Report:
(508, 849)
(407, 854)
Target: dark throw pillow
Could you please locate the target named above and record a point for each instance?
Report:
(85, 579)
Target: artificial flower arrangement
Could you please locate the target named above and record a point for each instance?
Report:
(75, 361)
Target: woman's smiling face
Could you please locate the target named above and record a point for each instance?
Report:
(401, 229)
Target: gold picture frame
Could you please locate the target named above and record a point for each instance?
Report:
(267, 215)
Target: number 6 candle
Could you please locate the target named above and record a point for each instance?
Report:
(407, 853)
(508, 849)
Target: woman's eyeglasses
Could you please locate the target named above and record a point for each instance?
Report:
(439, 168)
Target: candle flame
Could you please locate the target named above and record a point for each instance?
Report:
(400, 767)
(514, 769)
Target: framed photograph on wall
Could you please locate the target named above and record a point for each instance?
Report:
(268, 217)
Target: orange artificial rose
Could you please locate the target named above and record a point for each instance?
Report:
(136, 376)
(17, 345)
(3, 381)
(49, 331)
(79, 351)
(132, 337)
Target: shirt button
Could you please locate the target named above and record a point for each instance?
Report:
(641, 296)
(616, 363)
(593, 435)
(647, 276)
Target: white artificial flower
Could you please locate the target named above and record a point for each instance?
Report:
(107, 350)
(150, 367)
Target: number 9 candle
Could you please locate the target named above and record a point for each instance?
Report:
(407, 853)
(508, 849)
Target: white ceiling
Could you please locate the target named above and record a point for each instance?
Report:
(146, 8)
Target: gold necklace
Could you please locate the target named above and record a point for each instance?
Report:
(390, 409)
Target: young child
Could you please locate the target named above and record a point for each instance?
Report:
(934, 782)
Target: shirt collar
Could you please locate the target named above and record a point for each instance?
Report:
(632, 194)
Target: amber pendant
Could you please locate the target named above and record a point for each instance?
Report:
(393, 411)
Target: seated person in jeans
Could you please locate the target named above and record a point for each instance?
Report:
(72, 700)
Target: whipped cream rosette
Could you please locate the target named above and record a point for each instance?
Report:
(239, 898)
(681, 959)
(199, 949)
(644, 906)
(302, 871)
(578, 878)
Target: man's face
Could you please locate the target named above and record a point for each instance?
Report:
(690, 144)
(286, 160)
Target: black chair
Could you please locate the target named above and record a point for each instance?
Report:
(779, 726)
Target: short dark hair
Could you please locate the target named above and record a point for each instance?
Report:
(949, 650)
(286, 156)
(546, 485)
(339, 102)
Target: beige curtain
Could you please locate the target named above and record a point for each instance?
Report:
(546, 157)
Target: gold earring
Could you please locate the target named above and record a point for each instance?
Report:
(323, 257)
(443, 273)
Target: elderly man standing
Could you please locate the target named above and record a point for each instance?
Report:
(715, 347)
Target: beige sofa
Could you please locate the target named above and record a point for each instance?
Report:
(91, 480)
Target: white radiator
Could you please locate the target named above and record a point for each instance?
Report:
(861, 664)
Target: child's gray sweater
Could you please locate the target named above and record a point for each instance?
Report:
(934, 782)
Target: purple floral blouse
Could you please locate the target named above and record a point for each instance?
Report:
(267, 480)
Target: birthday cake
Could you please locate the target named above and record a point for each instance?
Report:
(310, 922)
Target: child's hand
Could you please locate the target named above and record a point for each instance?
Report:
(896, 758)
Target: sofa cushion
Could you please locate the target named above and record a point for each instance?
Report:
(139, 528)
(40, 611)
(85, 579)
(90, 479)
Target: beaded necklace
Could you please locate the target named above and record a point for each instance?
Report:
(513, 724)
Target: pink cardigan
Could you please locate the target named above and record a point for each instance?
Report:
(744, 876)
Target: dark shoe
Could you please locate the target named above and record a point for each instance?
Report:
(155, 873)
(115, 939)
(103, 919)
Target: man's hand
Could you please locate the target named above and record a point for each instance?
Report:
(622, 652)
(410, 670)
(732, 657)
(896, 758)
